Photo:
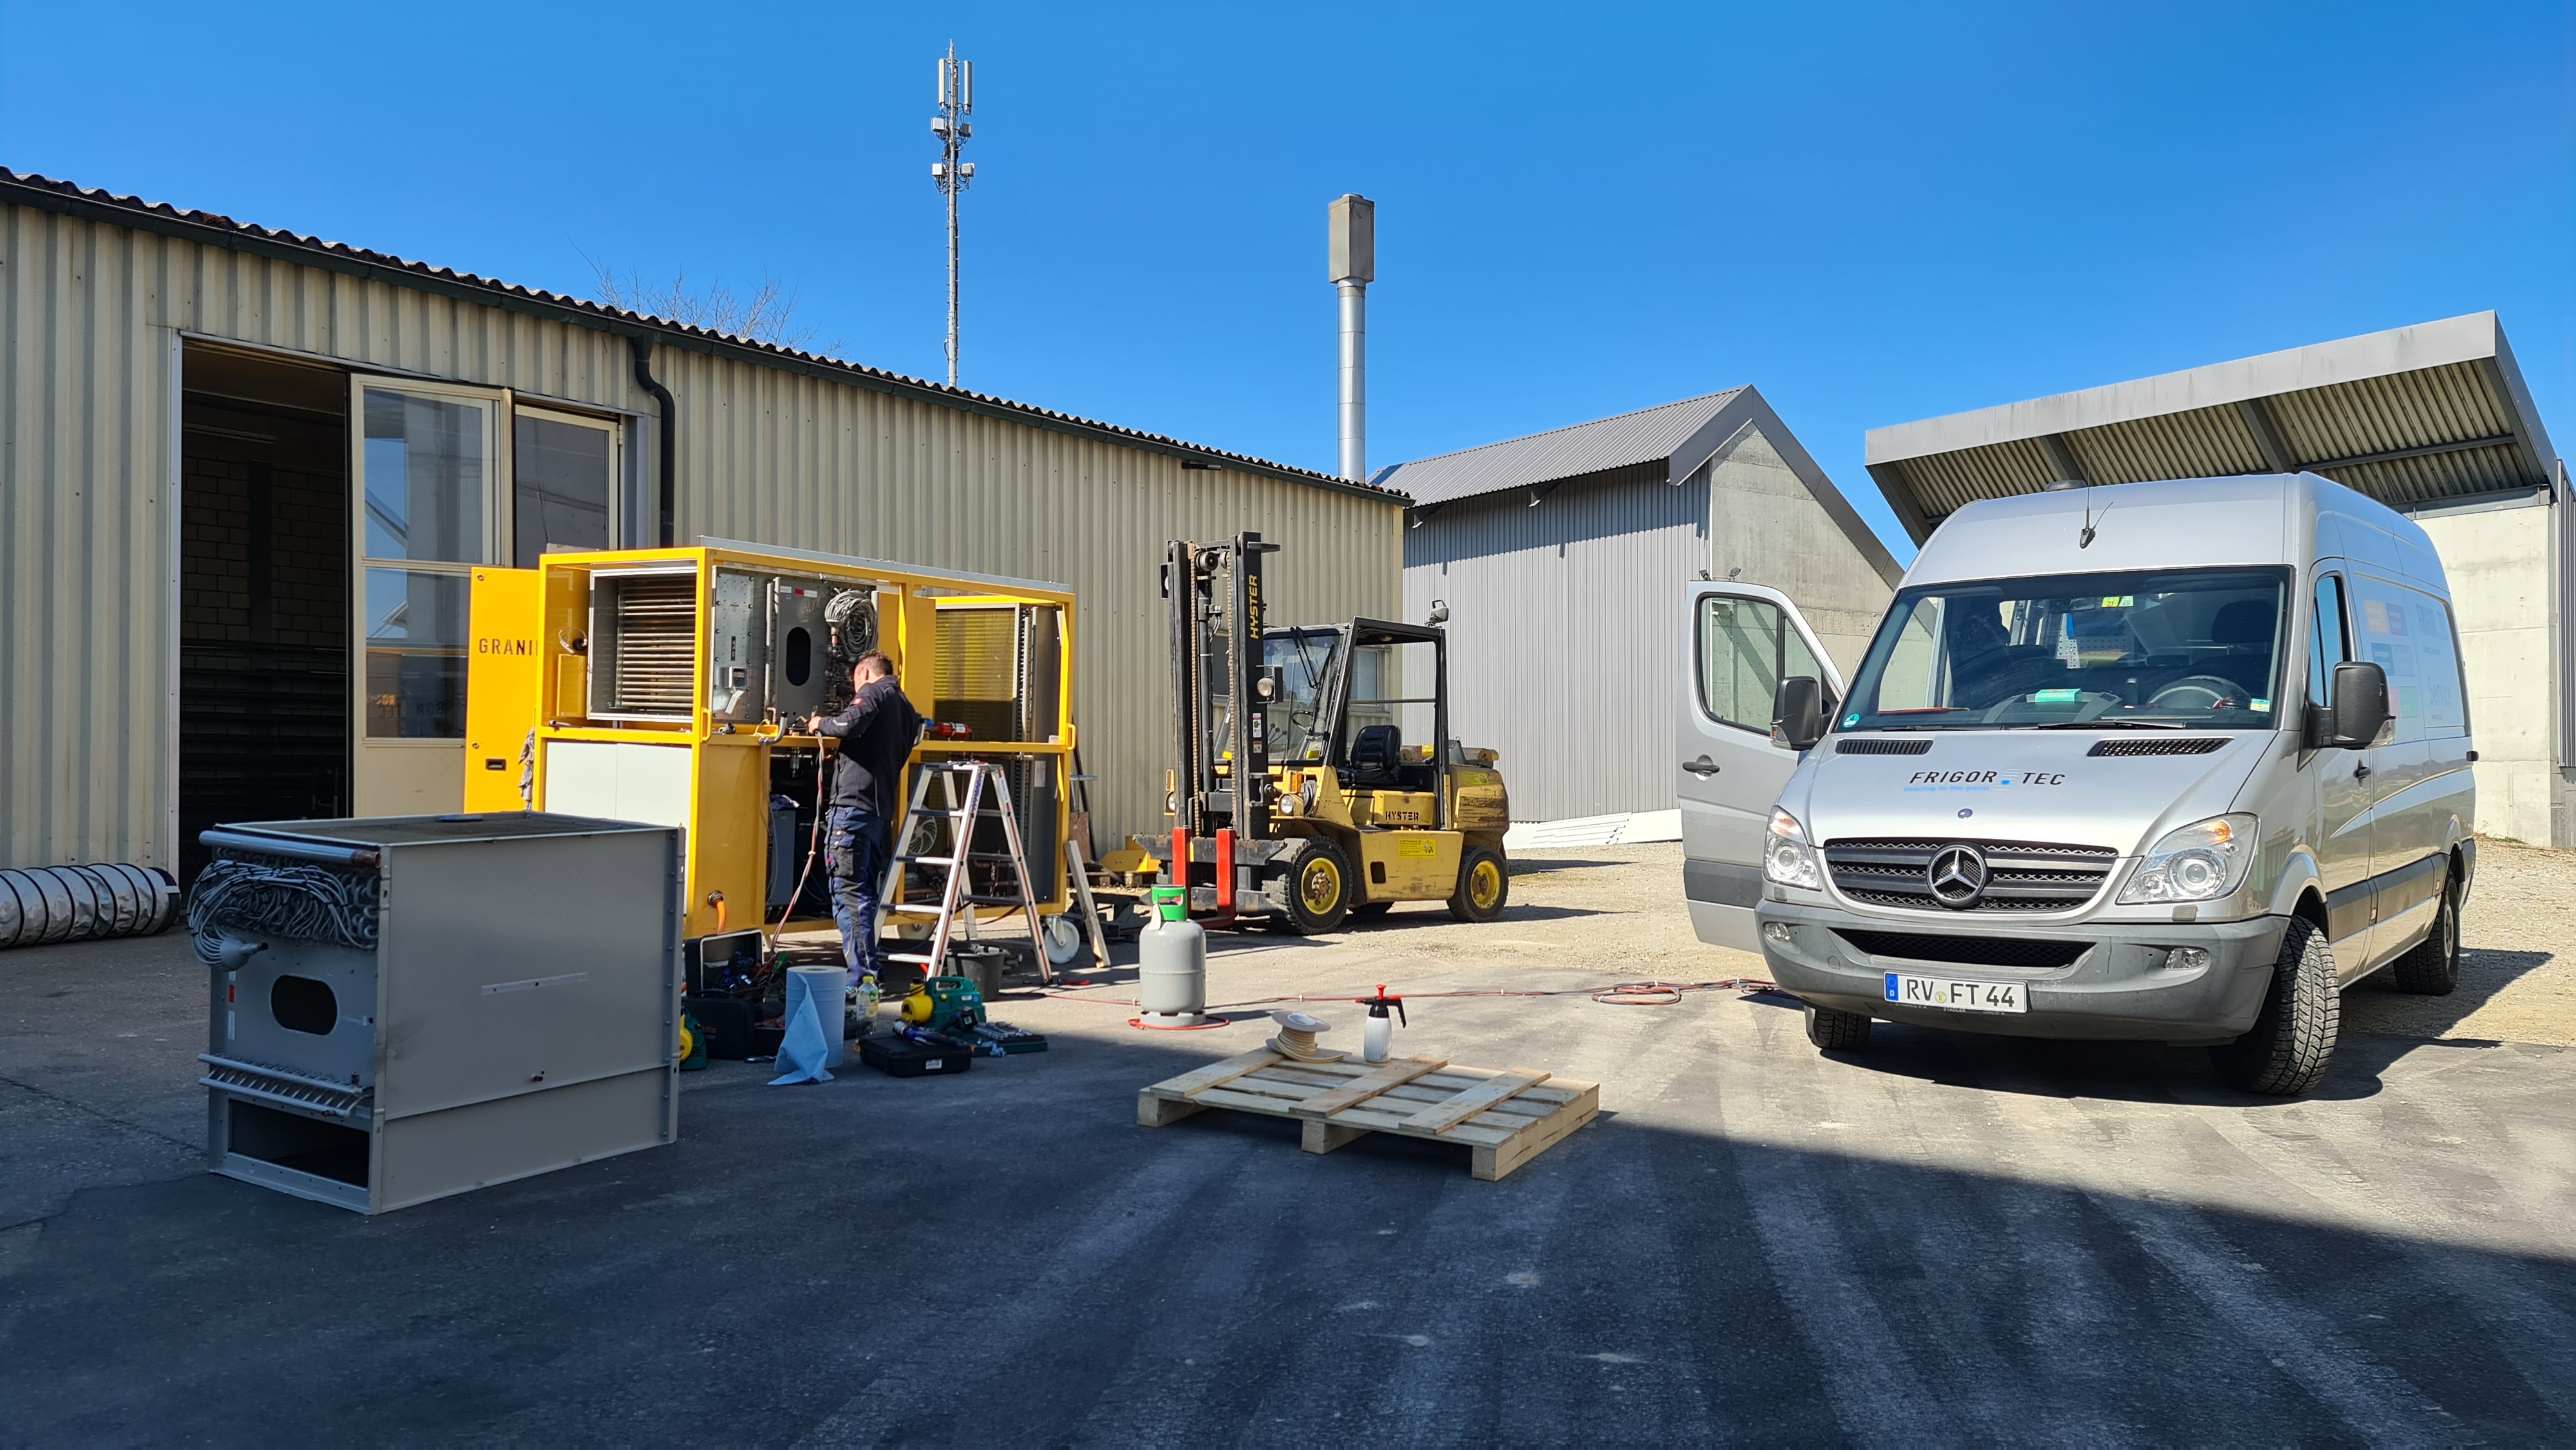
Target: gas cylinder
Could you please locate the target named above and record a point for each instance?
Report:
(1171, 970)
(1373, 1039)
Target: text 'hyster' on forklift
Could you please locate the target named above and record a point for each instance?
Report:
(1315, 777)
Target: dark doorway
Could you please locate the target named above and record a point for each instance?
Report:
(264, 593)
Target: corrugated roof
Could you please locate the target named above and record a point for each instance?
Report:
(1646, 436)
(2412, 416)
(27, 189)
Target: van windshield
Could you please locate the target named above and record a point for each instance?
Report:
(2152, 648)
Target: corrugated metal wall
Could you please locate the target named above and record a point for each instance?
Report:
(89, 315)
(1565, 634)
(1567, 626)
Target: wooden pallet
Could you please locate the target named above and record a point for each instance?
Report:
(1506, 1117)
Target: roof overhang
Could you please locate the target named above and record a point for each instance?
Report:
(2433, 414)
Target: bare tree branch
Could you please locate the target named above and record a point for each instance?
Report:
(767, 315)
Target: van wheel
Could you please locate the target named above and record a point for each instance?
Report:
(2432, 967)
(1319, 890)
(1484, 884)
(2286, 1051)
(1833, 1030)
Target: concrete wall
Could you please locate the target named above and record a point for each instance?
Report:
(1765, 521)
(2499, 567)
(91, 317)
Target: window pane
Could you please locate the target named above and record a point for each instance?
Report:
(1797, 659)
(1303, 658)
(425, 477)
(1739, 661)
(1393, 689)
(416, 637)
(560, 475)
(2198, 648)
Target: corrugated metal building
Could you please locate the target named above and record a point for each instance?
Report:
(2432, 420)
(211, 429)
(1562, 555)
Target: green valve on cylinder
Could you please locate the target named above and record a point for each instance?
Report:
(1172, 903)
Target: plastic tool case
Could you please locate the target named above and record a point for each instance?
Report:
(441, 1002)
(904, 1057)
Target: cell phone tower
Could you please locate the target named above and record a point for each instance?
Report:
(956, 103)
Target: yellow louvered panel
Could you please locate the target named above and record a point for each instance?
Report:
(979, 654)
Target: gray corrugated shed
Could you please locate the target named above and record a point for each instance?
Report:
(1671, 432)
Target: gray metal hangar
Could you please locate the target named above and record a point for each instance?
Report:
(2432, 420)
(1562, 557)
(207, 612)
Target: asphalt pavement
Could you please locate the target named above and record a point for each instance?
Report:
(1947, 1240)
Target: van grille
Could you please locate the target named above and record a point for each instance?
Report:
(1873, 746)
(2196, 745)
(2021, 875)
(1974, 951)
(657, 645)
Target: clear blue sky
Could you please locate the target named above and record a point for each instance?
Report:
(1874, 213)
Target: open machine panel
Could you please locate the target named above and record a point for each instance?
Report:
(672, 686)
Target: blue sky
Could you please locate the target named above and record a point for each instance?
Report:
(1873, 213)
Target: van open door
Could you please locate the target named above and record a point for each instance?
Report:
(1743, 640)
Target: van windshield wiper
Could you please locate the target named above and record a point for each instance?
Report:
(2110, 725)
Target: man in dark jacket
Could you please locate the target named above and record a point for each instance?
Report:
(877, 732)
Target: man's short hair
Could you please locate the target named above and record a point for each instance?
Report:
(879, 658)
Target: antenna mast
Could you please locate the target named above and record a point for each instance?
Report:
(956, 103)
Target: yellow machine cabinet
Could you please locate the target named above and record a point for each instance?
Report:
(672, 686)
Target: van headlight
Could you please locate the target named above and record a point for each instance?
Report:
(1786, 857)
(2198, 862)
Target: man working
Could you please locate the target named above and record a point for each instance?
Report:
(876, 732)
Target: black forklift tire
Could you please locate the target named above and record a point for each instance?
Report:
(2286, 1051)
(1484, 885)
(2431, 968)
(1834, 1030)
(1318, 890)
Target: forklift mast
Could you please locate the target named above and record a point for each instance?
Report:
(1221, 687)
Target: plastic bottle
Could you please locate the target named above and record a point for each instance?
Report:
(1374, 1039)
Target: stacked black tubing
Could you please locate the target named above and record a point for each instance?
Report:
(48, 904)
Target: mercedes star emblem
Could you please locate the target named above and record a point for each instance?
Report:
(1957, 876)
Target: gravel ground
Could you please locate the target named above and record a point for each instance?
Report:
(1619, 909)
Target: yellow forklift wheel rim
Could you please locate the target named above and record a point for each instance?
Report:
(1320, 885)
(1485, 885)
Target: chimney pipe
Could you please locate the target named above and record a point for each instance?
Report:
(1352, 266)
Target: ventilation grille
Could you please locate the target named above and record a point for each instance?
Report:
(2196, 745)
(1873, 746)
(1973, 951)
(657, 646)
(2020, 875)
(278, 1085)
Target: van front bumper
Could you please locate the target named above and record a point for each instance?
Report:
(2119, 987)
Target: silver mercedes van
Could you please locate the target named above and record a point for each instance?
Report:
(2165, 761)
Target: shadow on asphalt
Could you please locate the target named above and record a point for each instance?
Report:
(1004, 1257)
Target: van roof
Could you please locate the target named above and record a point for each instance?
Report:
(2272, 518)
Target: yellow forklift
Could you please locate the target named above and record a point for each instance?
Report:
(1315, 778)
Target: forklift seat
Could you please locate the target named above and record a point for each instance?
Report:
(1377, 757)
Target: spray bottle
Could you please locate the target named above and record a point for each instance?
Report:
(1373, 1041)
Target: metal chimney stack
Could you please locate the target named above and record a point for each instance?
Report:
(1353, 266)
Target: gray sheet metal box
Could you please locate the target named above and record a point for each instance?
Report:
(443, 1002)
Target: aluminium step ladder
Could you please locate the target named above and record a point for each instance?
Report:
(971, 791)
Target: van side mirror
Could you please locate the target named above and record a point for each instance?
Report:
(1798, 713)
(2357, 706)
